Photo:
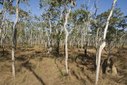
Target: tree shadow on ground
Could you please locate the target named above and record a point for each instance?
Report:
(28, 66)
(21, 58)
(86, 60)
(4, 56)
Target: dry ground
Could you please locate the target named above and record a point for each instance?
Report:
(35, 67)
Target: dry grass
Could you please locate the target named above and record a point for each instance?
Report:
(33, 67)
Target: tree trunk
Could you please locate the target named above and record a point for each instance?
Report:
(66, 40)
(14, 40)
(66, 52)
(58, 43)
(103, 43)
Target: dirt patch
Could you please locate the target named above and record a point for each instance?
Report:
(33, 67)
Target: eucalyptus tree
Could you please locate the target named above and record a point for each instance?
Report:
(48, 18)
(103, 43)
(67, 11)
(81, 19)
(14, 10)
(116, 29)
(52, 20)
(64, 4)
(66, 39)
(14, 34)
(4, 22)
(7, 6)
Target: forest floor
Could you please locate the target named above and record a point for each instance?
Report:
(35, 67)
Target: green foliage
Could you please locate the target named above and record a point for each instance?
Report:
(116, 23)
(80, 16)
(56, 3)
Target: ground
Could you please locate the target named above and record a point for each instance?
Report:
(35, 67)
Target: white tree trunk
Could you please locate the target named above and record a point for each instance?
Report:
(66, 52)
(103, 43)
(66, 40)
